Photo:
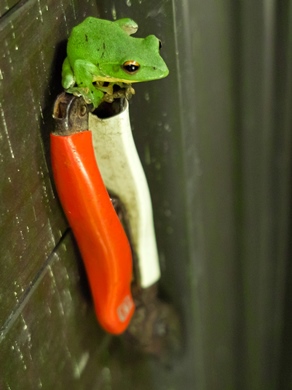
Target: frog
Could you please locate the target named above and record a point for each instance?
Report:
(102, 55)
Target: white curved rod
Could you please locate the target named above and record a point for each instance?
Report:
(122, 172)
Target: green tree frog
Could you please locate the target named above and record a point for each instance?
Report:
(101, 54)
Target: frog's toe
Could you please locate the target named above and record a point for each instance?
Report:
(86, 98)
(84, 92)
(68, 81)
(90, 95)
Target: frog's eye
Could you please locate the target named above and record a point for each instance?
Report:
(131, 67)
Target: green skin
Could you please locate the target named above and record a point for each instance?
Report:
(97, 52)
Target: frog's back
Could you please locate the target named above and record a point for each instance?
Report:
(90, 38)
(93, 26)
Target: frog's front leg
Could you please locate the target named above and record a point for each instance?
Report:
(83, 73)
(68, 79)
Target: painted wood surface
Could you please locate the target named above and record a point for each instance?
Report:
(32, 222)
(49, 335)
(214, 139)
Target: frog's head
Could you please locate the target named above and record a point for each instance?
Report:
(137, 60)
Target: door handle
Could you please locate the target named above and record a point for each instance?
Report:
(100, 236)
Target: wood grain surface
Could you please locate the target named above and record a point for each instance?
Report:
(214, 138)
(49, 334)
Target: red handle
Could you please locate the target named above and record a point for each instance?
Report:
(100, 236)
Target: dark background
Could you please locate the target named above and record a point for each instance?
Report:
(214, 138)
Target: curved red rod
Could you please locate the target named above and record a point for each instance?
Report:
(100, 236)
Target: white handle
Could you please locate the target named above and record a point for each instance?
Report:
(122, 172)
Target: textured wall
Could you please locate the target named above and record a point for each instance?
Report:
(215, 141)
